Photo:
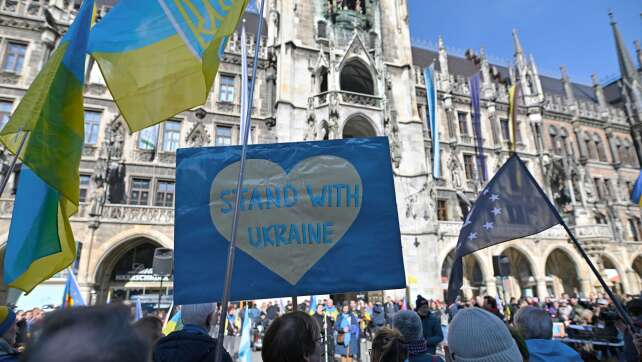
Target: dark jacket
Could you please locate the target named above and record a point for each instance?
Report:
(432, 332)
(186, 346)
(378, 315)
(7, 353)
(390, 309)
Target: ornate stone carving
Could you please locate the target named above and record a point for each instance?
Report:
(116, 182)
(198, 136)
(455, 170)
(98, 197)
(115, 139)
(333, 120)
(391, 125)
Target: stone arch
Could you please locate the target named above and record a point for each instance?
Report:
(562, 273)
(611, 266)
(636, 265)
(474, 273)
(358, 125)
(356, 77)
(522, 272)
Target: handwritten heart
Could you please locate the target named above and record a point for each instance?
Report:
(288, 221)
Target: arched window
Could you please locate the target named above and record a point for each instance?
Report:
(599, 146)
(619, 149)
(590, 147)
(358, 126)
(323, 80)
(567, 148)
(552, 132)
(321, 29)
(356, 77)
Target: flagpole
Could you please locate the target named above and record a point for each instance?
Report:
(5, 178)
(232, 248)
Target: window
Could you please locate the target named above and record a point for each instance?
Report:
(14, 57)
(505, 129)
(463, 123)
(442, 210)
(92, 126)
(223, 136)
(165, 193)
(5, 112)
(148, 138)
(599, 146)
(600, 218)
(599, 188)
(226, 89)
(635, 228)
(469, 166)
(171, 135)
(84, 187)
(321, 29)
(139, 192)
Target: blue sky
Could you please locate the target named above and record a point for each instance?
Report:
(576, 33)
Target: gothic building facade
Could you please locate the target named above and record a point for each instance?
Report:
(332, 69)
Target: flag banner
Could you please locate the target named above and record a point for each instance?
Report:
(139, 309)
(72, 296)
(160, 57)
(244, 88)
(636, 194)
(479, 141)
(513, 96)
(511, 206)
(431, 95)
(245, 345)
(313, 217)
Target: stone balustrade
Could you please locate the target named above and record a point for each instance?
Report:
(135, 214)
(593, 232)
(348, 98)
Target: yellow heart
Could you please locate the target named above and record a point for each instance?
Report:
(288, 221)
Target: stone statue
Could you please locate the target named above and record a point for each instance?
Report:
(98, 197)
(311, 132)
(333, 120)
(116, 182)
(116, 139)
(455, 173)
(274, 24)
(198, 136)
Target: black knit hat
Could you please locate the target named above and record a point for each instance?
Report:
(421, 301)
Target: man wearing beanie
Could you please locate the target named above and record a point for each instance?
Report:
(430, 324)
(409, 324)
(477, 335)
(8, 331)
(192, 343)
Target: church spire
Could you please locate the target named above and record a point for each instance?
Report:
(627, 69)
(519, 52)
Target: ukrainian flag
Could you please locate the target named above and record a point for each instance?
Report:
(160, 57)
(636, 195)
(40, 240)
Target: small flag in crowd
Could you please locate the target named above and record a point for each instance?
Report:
(245, 348)
(511, 206)
(160, 57)
(636, 194)
(313, 304)
(431, 94)
(72, 296)
(50, 115)
(139, 309)
(173, 324)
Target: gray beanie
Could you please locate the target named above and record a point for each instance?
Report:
(196, 314)
(409, 324)
(476, 335)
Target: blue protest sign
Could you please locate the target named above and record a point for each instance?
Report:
(315, 218)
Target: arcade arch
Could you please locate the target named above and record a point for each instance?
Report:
(358, 126)
(521, 281)
(637, 268)
(613, 275)
(561, 274)
(473, 277)
(357, 78)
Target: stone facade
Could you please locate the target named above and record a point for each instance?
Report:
(347, 68)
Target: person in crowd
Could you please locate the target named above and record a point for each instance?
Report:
(390, 309)
(388, 346)
(254, 313)
(378, 317)
(149, 329)
(8, 331)
(430, 324)
(289, 308)
(536, 326)
(293, 337)
(490, 304)
(326, 326)
(564, 312)
(347, 340)
(100, 334)
(576, 314)
(272, 311)
(331, 310)
(632, 341)
(192, 343)
(521, 343)
(410, 326)
(477, 335)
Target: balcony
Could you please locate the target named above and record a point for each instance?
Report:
(347, 98)
(593, 232)
(135, 214)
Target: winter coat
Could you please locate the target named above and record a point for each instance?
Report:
(378, 315)
(432, 332)
(425, 357)
(354, 335)
(548, 350)
(187, 346)
(7, 353)
(390, 309)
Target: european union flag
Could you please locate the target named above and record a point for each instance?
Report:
(512, 206)
(636, 195)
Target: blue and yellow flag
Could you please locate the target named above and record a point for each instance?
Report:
(72, 296)
(636, 195)
(40, 239)
(160, 57)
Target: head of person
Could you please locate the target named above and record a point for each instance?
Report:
(388, 345)
(534, 323)
(388, 299)
(353, 304)
(292, 337)
(197, 314)
(422, 306)
(477, 335)
(320, 309)
(149, 329)
(573, 301)
(329, 302)
(409, 324)
(8, 327)
(634, 306)
(88, 334)
(490, 302)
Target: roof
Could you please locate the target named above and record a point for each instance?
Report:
(465, 67)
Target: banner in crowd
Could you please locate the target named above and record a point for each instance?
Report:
(315, 218)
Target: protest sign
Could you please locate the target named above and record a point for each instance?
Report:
(315, 218)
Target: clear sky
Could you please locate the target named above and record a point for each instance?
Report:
(576, 33)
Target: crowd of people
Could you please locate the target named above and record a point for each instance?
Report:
(479, 329)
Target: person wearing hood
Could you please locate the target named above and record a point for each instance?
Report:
(378, 317)
(430, 324)
(192, 343)
(536, 326)
(409, 324)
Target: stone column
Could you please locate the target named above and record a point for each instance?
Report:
(542, 292)
(491, 287)
(613, 147)
(585, 286)
(579, 137)
(634, 286)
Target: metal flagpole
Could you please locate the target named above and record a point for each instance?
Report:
(232, 249)
(5, 178)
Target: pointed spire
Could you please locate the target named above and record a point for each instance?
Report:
(519, 52)
(638, 52)
(599, 92)
(568, 87)
(627, 70)
(443, 56)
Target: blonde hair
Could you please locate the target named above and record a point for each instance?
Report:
(388, 345)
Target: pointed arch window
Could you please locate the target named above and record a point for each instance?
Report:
(357, 78)
(599, 147)
(552, 132)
